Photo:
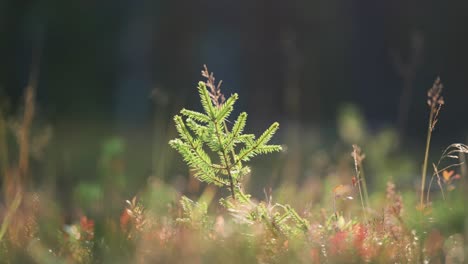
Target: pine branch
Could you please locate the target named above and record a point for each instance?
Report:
(256, 149)
(206, 101)
(210, 130)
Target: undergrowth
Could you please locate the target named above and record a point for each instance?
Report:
(160, 225)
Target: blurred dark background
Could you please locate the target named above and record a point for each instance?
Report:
(124, 68)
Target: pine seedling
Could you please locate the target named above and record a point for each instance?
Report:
(214, 151)
(217, 153)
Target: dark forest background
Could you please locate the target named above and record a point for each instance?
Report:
(125, 68)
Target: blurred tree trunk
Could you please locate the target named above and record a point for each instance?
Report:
(407, 72)
(292, 106)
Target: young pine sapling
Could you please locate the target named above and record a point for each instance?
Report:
(217, 152)
(201, 132)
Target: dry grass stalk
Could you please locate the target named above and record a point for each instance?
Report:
(456, 151)
(215, 89)
(22, 208)
(4, 162)
(358, 157)
(24, 134)
(435, 102)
